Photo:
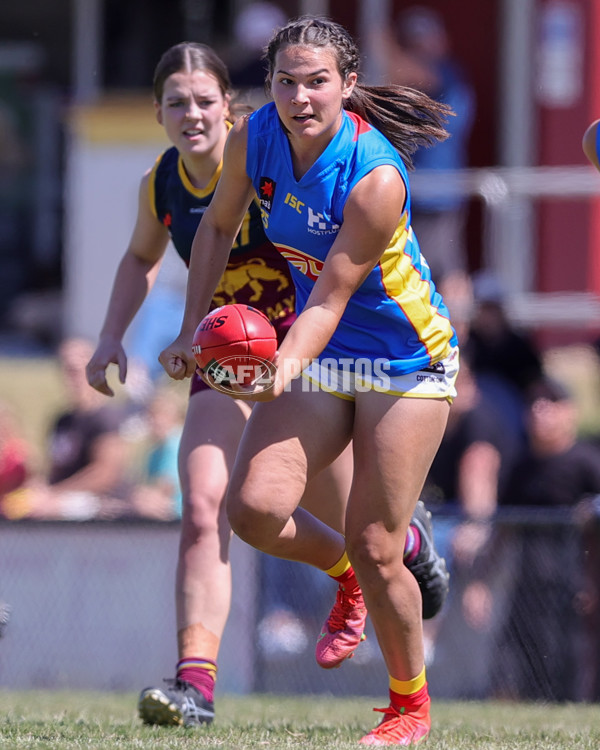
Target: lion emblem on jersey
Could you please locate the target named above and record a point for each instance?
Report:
(253, 276)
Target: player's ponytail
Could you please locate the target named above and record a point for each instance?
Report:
(408, 118)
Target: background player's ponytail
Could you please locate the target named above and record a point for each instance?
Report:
(408, 118)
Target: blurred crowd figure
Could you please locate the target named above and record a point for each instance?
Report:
(15, 160)
(252, 29)
(14, 452)
(156, 493)
(557, 471)
(87, 456)
(417, 53)
(521, 620)
(103, 459)
(505, 358)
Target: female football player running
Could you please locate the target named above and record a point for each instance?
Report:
(382, 352)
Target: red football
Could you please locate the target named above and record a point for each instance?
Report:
(234, 340)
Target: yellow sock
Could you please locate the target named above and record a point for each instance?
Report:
(341, 566)
(408, 687)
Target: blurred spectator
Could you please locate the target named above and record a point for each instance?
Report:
(471, 466)
(88, 450)
(420, 57)
(476, 452)
(541, 635)
(253, 28)
(158, 493)
(85, 444)
(504, 359)
(14, 158)
(588, 602)
(557, 469)
(14, 458)
(495, 347)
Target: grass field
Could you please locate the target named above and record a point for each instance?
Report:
(99, 721)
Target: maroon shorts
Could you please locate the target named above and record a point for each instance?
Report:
(281, 324)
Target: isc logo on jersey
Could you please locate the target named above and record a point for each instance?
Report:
(293, 202)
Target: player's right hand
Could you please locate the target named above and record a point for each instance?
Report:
(177, 359)
(107, 352)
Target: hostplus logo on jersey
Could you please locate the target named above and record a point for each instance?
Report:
(318, 224)
(267, 193)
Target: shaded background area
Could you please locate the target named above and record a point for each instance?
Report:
(532, 64)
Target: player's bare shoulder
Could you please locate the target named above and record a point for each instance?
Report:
(237, 140)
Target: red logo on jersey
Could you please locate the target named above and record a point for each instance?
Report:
(306, 264)
(267, 192)
(167, 221)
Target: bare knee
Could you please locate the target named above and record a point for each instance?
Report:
(257, 527)
(376, 557)
(203, 516)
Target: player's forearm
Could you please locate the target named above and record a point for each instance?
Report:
(133, 281)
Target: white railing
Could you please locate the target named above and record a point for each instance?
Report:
(508, 245)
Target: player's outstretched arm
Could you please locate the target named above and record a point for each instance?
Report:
(135, 277)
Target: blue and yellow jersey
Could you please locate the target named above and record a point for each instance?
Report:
(396, 314)
(256, 274)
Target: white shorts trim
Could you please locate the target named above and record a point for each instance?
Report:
(436, 381)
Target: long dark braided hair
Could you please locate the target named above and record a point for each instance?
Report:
(408, 118)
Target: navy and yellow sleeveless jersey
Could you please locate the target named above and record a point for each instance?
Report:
(256, 274)
(396, 314)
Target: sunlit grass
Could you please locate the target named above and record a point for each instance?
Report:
(108, 720)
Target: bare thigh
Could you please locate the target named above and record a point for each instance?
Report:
(287, 442)
(395, 441)
(326, 495)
